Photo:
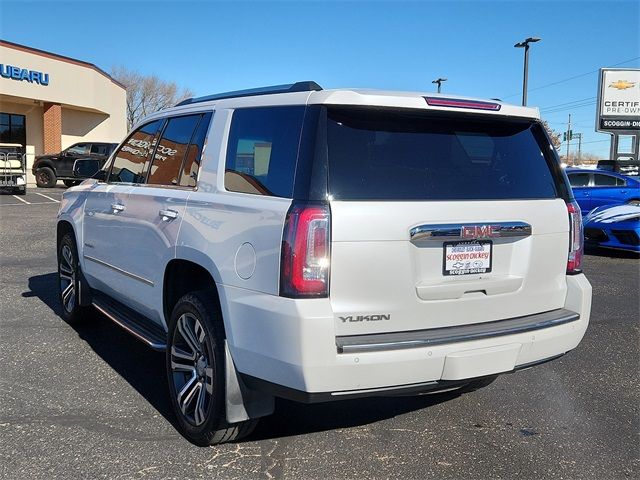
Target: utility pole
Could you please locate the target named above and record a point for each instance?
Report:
(568, 137)
(579, 147)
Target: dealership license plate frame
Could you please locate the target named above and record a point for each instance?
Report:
(467, 271)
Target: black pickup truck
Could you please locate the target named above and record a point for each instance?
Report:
(48, 169)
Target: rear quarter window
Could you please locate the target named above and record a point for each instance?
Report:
(262, 150)
(399, 155)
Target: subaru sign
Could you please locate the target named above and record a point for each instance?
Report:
(24, 74)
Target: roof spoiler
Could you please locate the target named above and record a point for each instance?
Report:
(306, 86)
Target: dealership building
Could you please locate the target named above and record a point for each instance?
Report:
(49, 102)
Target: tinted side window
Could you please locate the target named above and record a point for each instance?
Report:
(262, 150)
(79, 149)
(604, 180)
(194, 153)
(132, 159)
(171, 150)
(98, 149)
(579, 179)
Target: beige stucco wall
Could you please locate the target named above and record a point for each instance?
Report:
(93, 106)
(69, 83)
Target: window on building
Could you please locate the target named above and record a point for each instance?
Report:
(262, 150)
(131, 161)
(171, 150)
(12, 129)
(600, 180)
(194, 153)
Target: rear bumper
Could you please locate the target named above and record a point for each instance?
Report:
(289, 348)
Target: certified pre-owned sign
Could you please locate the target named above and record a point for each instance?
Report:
(619, 99)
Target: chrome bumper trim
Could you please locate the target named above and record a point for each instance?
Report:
(440, 336)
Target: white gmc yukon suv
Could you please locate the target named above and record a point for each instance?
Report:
(322, 245)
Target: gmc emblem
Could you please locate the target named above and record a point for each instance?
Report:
(480, 231)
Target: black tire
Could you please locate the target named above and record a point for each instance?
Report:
(70, 183)
(21, 190)
(200, 363)
(45, 177)
(634, 201)
(478, 384)
(69, 280)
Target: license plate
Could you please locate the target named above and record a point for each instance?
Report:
(467, 258)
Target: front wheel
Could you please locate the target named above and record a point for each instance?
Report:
(69, 280)
(634, 201)
(70, 183)
(45, 178)
(195, 369)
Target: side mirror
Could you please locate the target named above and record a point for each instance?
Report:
(86, 168)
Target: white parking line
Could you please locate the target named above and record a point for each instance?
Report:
(22, 200)
(28, 203)
(46, 196)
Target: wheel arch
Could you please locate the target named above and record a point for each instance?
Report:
(182, 276)
(62, 228)
(46, 163)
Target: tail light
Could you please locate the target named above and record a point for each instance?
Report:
(306, 256)
(576, 239)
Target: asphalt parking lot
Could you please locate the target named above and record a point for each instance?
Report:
(90, 401)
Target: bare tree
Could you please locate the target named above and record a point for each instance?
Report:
(555, 136)
(147, 94)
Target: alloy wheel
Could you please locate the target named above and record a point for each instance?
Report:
(191, 368)
(43, 177)
(67, 273)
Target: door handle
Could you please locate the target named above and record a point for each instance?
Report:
(117, 207)
(168, 215)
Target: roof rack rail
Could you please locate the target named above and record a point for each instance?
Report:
(307, 86)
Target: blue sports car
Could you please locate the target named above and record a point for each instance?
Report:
(615, 226)
(596, 188)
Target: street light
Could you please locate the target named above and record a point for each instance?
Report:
(525, 45)
(439, 82)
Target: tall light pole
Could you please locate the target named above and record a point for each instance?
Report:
(439, 81)
(525, 44)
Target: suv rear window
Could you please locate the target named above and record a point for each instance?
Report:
(400, 155)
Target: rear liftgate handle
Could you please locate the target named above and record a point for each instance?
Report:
(168, 215)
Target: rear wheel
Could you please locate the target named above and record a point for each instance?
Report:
(45, 178)
(69, 279)
(195, 370)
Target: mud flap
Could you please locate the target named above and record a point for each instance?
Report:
(84, 291)
(242, 403)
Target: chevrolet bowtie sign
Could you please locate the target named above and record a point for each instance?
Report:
(619, 100)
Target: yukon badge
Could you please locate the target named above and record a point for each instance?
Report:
(366, 318)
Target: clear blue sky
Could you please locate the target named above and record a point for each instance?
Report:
(218, 46)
